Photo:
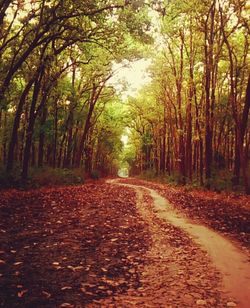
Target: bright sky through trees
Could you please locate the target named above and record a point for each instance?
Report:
(129, 80)
(130, 77)
(124, 139)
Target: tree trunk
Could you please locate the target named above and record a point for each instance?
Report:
(244, 154)
(84, 135)
(5, 139)
(14, 135)
(55, 134)
(33, 156)
(163, 147)
(42, 137)
(209, 54)
(59, 162)
(4, 6)
(70, 140)
(189, 141)
(30, 128)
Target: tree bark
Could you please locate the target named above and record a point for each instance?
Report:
(243, 154)
(163, 146)
(94, 97)
(55, 133)
(4, 4)
(42, 137)
(209, 37)
(30, 128)
(13, 140)
(84, 135)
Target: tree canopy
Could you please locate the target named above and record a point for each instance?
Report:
(59, 109)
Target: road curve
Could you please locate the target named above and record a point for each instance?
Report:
(232, 263)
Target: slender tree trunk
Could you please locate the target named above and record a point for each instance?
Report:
(42, 137)
(4, 146)
(3, 8)
(189, 142)
(208, 130)
(55, 133)
(201, 162)
(59, 163)
(14, 134)
(75, 148)
(70, 140)
(163, 147)
(33, 154)
(84, 135)
(188, 150)
(30, 128)
(243, 127)
(182, 154)
(209, 92)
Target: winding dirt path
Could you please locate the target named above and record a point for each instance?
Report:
(107, 245)
(231, 262)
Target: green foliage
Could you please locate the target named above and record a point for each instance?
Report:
(67, 48)
(108, 132)
(128, 155)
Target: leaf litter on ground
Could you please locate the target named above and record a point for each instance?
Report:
(80, 246)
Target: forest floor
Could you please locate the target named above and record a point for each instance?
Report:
(103, 245)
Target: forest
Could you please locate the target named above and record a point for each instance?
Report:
(124, 153)
(61, 116)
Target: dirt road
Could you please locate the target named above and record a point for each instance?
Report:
(231, 262)
(103, 245)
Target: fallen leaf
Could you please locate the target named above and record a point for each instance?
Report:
(46, 294)
(78, 267)
(74, 268)
(201, 302)
(66, 288)
(66, 305)
(21, 293)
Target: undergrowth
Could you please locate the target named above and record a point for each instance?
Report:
(39, 177)
(220, 181)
